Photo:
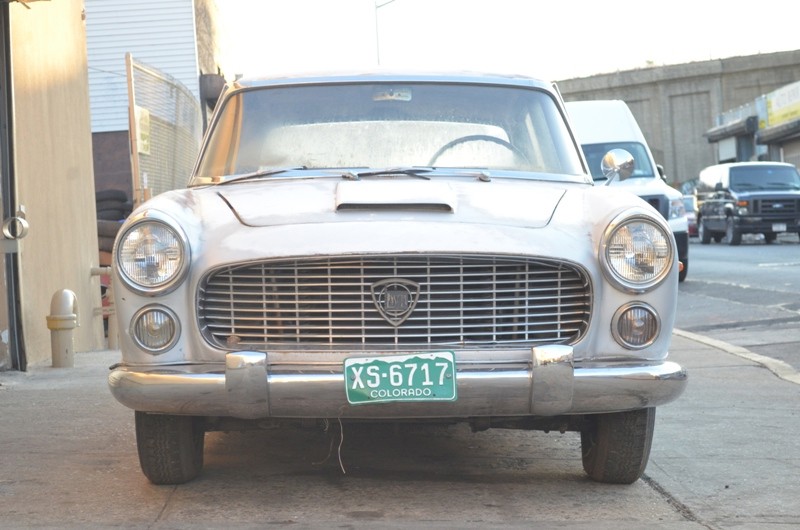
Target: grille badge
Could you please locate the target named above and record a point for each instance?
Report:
(395, 299)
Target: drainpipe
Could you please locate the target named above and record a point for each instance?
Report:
(63, 318)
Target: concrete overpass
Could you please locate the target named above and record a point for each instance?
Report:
(676, 105)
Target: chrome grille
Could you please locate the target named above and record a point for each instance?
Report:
(776, 207)
(464, 301)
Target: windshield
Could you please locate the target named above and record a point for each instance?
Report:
(764, 177)
(594, 154)
(381, 125)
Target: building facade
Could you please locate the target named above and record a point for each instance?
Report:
(177, 37)
(676, 106)
(47, 177)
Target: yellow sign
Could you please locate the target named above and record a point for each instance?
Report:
(142, 130)
(783, 105)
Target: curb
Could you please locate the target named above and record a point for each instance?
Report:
(779, 368)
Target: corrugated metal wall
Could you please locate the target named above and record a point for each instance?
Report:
(158, 32)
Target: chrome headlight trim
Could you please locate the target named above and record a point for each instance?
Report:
(622, 338)
(130, 257)
(136, 328)
(634, 242)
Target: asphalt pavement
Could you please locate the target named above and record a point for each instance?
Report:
(724, 456)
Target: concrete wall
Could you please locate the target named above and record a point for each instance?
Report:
(53, 161)
(675, 105)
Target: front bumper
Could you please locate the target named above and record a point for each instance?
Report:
(249, 387)
(758, 224)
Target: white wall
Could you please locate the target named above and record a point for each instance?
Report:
(160, 33)
(52, 153)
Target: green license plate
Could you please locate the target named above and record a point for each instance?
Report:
(415, 377)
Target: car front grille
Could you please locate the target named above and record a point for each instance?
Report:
(776, 207)
(365, 303)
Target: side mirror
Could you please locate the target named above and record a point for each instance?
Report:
(661, 172)
(617, 163)
(211, 88)
(718, 186)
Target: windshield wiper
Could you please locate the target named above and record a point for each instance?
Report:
(418, 172)
(783, 185)
(261, 173)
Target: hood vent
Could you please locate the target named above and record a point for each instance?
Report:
(395, 195)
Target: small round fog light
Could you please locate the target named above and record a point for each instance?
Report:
(635, 326)
(155, 328)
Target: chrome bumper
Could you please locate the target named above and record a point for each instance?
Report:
(249, 387)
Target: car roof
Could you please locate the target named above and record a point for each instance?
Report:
(753, 163)
(392, 76)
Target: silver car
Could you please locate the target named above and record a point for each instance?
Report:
(395, 248)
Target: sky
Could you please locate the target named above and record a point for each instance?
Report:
(551, 40)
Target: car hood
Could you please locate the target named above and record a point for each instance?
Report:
(318, 201)
(763, 194)
(647, 186)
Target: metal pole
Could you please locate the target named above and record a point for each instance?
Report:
(133, 134)
(377, 36)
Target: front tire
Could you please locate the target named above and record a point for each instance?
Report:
(733, 236)
(616, 446)
(170, 447)
(705, 235)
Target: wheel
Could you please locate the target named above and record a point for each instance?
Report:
(733, 236)
(110, 215)
(770, 237)
(705, 235)
(170, 447)
(111, 195)
(616, 446)
(475, 138)
(108, 228)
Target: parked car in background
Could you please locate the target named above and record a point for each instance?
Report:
(748, 198)
(603, 125)
(690, 204)
(395, 248)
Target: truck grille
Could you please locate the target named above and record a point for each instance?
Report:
(776, 207)
(462, 301)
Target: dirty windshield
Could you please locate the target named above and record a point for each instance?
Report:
(379, 125)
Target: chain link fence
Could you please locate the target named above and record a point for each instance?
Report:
(165, 130)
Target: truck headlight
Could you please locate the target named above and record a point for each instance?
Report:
(637, 252)
(676, 209)
(152, 256)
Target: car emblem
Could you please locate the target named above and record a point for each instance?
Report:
(777, 205)
(395, 299)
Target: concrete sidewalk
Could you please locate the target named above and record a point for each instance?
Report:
(725, 454)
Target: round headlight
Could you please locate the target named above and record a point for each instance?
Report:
(637, 253)
(635, 326)
(151, 256)
(155, 328)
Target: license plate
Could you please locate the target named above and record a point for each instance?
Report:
(414, 377)
(779, 227)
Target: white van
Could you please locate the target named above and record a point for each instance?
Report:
(603, 125)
